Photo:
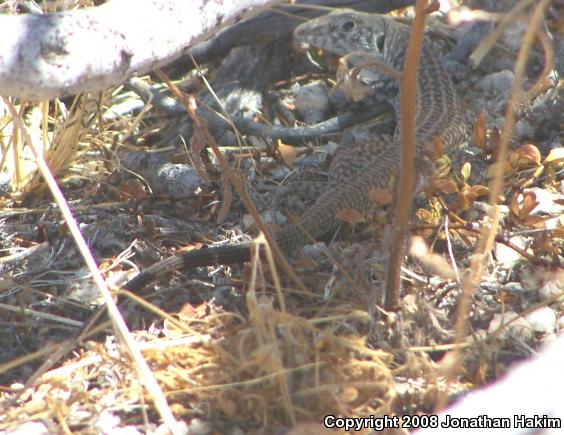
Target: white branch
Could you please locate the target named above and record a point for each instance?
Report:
(48, 56)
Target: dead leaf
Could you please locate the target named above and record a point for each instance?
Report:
(494, 141)
(193, 311)
(536, 222)
(228, 406)
(479, 190)
(464, 200)
(522, 204)
(480, 132)
(529, 203)
(381, 197)
(425, 216)
(514, 204)
(305, 262)
(134, 188)
(445, 185)
(288, 153)
(439, 145)
(525, 157)
(350, 216)
(530, 154)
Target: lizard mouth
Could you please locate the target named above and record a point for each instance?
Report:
(315, 54)
(302, 45)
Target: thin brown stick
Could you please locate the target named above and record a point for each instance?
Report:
(406, 177)
(488, 42)
(541, 84)
(232, 176)
(372, 61)
(503, 239)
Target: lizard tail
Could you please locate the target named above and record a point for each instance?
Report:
(229, 254)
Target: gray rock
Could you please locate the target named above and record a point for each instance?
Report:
(551, 289)
(518, 327)
(5, 183)
(543, 320)
(197, 426)
(312, 101)
(496, 83)
(177, 180)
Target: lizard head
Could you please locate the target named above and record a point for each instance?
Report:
(359, 37)
(343, 33)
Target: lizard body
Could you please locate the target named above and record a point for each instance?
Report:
(364, 166)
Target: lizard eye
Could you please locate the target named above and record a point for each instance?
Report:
(347, 26)
(380, 39)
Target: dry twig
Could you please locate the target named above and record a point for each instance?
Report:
(406, 178)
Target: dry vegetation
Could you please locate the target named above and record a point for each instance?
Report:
(247, 348)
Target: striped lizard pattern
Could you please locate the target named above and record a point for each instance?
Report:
(368, 165)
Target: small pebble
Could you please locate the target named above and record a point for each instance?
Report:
(177, 180)
(518, 327)
(197, 426)
(524, 130)
(496, 83)
(317, 251)
(512, 36)
(551, 289)
(268, 216)
(5, 183)
(508, 256)
(543, 320)
(514, 287)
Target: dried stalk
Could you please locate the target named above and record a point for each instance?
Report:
(232, 176)
(406, 177)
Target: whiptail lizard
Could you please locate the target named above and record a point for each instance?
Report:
(365, 166)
